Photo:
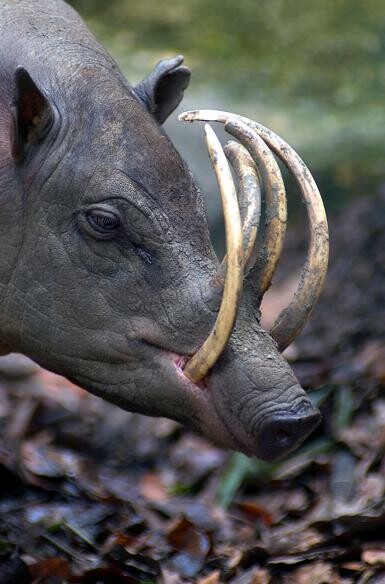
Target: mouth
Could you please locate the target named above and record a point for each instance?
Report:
(199, 396)
(279, 435)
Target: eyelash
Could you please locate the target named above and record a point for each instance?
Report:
(102, 221)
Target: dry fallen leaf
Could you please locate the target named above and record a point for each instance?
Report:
(51, 568)
(152, 488)
(373, 556)
(185, 536)
(170, 578)
(255, 511)
(253, 576)
(192, 544)
(213, 578)
(315, 573)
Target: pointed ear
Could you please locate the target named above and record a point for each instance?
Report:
(32, 114)
(162, 91)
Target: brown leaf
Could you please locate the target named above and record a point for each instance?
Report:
(253, 576)
(315, 573)
(292, 538)
(261, 577)
(185, 536)
(151, 487)
(255, 511)
(373, 556)
(352, 566)
(235, 560)
(130, 543)
(213, 578)
(170, 577)
(53, 567)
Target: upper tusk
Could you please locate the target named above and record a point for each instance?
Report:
(249, 195)
(291, 320)
(276, 214)
(206, 357)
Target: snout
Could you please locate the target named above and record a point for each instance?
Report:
(283, 432)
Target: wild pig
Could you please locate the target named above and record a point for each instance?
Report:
(107, 272)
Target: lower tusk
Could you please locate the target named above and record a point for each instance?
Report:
(206, 357)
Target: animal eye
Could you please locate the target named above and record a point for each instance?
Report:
(103, 221)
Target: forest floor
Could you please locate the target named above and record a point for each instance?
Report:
(91, 494)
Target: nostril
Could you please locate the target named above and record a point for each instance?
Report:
(282, 433)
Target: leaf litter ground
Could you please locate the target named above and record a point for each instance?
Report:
(91, 494)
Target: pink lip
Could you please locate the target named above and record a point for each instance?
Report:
(179, 360)
(180, 363)
(201, 395)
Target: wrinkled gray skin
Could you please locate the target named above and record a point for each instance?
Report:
(108, 276)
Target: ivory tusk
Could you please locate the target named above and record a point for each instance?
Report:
(249, 195)
(276, 214)
(206, 357)
(292, 319)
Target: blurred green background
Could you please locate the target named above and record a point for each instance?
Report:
(312, 71)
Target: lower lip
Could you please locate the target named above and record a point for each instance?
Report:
(201, 392)
(180, 363)
(178, 360)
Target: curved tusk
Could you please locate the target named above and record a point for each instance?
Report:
(206, 357)
(292, 319)
(249, 195)
(276, 213)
